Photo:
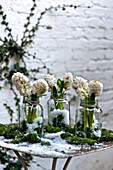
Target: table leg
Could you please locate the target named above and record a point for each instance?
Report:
(67, 163)
(54, 163)
(21, 160)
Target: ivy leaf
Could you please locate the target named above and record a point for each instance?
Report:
(3, 49)
(32, 9)
(0, 7)
(63, 8)
(9, 34)
(4, 17)
(1, 12)
(3, 22)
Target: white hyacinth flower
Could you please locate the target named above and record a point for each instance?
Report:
(81, 93)
(79, 82)
(95, 87)
(40, 87)
(19, 80)
(68, 79)
(51, 80)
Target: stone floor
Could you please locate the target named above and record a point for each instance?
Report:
(96, 161)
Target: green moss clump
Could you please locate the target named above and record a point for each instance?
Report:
(76, 140)
(24, 126)
(45, 143)
(51, 129)
(80, 141)
(106, 135)
(70, 129)
(9, 133)
(32, 138)
(2, 129)
(39, 130)
(66, 135)
(18, 135)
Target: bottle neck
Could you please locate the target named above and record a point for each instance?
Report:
(58, 98)
(89, 104)
(31, 98)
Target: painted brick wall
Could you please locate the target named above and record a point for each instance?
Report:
(81, 41)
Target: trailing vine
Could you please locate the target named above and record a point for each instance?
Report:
(10, 49)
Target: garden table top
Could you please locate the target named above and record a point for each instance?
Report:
(59, 148)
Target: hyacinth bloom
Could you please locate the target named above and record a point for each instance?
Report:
(95, 87)
(58, 106)
(27, 88)
(88, 92)
(31, 91)
(59, 87)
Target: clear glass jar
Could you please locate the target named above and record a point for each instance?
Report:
(58, 112)
(32, 114)
(88, 120)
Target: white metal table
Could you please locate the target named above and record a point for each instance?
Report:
(49, 152)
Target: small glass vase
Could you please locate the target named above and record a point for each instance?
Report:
(88, 120)
(58, 112)
(32, 114)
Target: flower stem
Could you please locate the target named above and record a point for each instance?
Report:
(88, 114)
(32, 110)
(59, 104)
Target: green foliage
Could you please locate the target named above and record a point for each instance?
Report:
(2, 129)
(77, 140)
(39, 130)
(12, 132)
(11, 49)
(58, 121)
(23, 126)
(70, 129)
(66, 135)
(32, 138)
(10, 111)
(45, 143)
(11, 162)
(60, 84)
(51, 129)
(107, 135)
(17, 134)
(56, 92)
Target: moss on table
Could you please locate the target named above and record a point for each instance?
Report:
(18, 134)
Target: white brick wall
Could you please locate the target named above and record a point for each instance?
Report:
(81, 41)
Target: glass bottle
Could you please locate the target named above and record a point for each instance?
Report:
(32, 114)
(88, 120)
(58, 112)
